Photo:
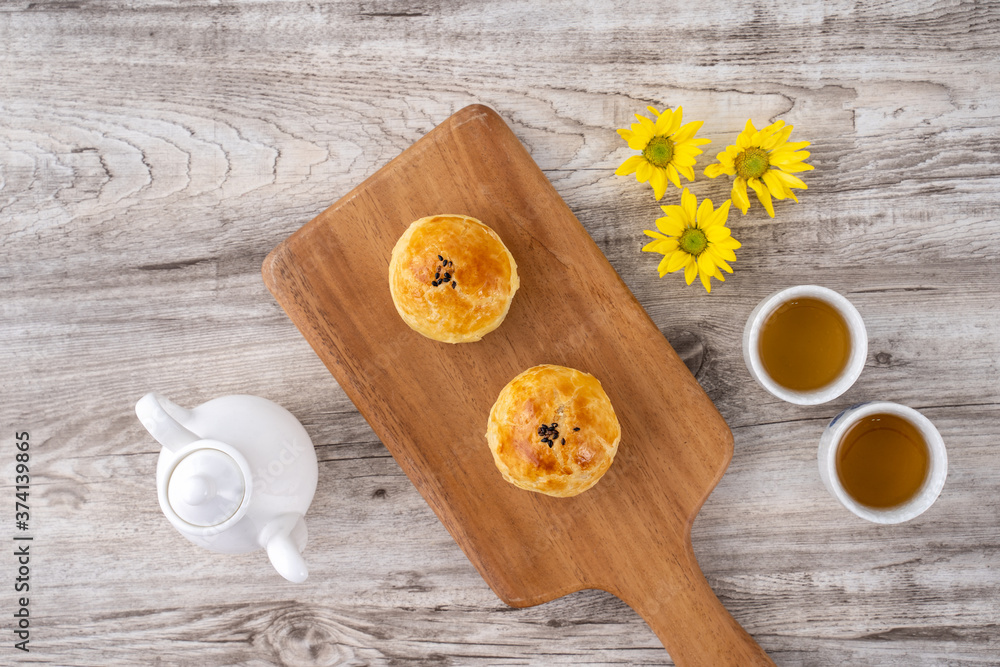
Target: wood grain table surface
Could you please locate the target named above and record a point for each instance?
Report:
(152, 154)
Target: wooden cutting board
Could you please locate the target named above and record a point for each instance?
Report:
(630, 535)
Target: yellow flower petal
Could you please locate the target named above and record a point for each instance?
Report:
(739, 195)
(781, 158)
(688, 131)
(653, 111)
(689, 203)
(661, 268)
(628, 166)
(768, 134)
(645, 122)
(775, 186)
(729, 243)
(706, 281)
(676, 121)
(720, 216)
(655, 235)
(716, 233)
(762, 194)
(672, 175)
(704, 212)
(789, 180)
(643, 171)
(663, 122)
(683, 160)
(723, 252)
(640, 139)
(794, 146)
(690, 270)
(664, 247)
(705, 263)
(658, 179)
(686, 172)
(743, 140)
(769, 130)
(670, 226)
(795, 167)
(719, 261)
(669, 246)
(688, 149)
(778, 139)
(714, 170)
(677, 260)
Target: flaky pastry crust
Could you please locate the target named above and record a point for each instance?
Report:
(553, 430)
(451, 278)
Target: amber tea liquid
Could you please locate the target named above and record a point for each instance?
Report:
(882, 461)
(805, 344)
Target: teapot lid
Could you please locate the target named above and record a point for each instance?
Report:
(206, 487)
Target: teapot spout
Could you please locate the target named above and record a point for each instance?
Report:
(162, 418)
(284, 546)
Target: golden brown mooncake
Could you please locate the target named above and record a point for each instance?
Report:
(451, 278)
(553, 430)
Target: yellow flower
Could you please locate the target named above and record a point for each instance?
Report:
(765, 161)
(667, 149)
(694, 238)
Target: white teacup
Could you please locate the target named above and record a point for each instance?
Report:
(855, 362)
(925, 496)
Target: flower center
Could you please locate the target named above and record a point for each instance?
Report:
(693, 241)
(751, 163)
(659, 151)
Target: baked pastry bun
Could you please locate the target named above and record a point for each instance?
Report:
(452, 278)
(553, 430)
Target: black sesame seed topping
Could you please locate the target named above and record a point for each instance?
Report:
(577, 428)
(437, 275)
(441, 258)
(453, 284)
(564, 441)
(548, 433)
(447, 277)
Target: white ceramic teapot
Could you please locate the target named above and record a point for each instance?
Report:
(235, 474)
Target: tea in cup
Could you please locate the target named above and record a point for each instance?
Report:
(883, 461)
(805, 344)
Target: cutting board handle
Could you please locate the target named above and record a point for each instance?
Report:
(675, 599)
